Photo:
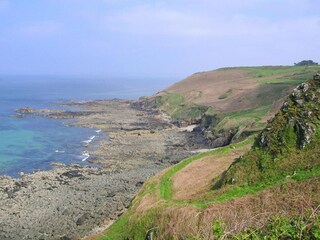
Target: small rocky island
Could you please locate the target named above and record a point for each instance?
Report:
(72, 202)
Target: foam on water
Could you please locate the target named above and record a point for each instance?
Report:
(85, 156)
(90, 139)
(32, 143)
(59, 151)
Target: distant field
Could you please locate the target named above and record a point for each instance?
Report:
(229, 89)
(240, 99)
(295, 74)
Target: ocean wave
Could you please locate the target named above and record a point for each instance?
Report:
(89, 140)
(59, 151)
(85, 155)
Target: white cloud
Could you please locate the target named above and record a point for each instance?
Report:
(155, 20)
(159, 20)
(200, 18)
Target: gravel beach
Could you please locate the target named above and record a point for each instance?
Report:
(71, 202)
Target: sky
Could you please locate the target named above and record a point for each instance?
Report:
(147, 38)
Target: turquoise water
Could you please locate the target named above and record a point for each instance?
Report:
(33, 143)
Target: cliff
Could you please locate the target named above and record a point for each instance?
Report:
(266, 188)
(289, 142)
(229, 104)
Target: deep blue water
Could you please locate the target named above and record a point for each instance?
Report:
(33, 143)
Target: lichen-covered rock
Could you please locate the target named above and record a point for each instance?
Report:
(300, 113)
(289, 143)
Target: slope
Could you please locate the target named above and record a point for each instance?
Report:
(229, 104)
(271, 192)
(287, 144)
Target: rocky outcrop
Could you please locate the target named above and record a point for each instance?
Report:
(288, 144)
(299, 117)
(26, 110)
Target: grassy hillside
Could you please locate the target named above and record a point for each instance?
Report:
(262, 188)
(230, 102)
(288, 144)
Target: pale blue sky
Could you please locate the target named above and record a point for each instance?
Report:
(169, 38)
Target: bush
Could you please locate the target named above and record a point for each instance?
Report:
(306, 63)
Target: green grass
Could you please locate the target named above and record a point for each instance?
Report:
(118, 229)
(276, 82)
(280, 70)
(279, 148)
(280, 163)
(213, 196)
(255, 113)
(123, 227)
(175, 105)
(282, 74)
(244, 190)
(138, 227)
(261, 101)
(304, 226)
(250, 120)
(166, 191)
(166, 183)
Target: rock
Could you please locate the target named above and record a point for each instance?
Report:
(65, 212)
(18, 115)
(72, 174)
(304, 87)
(65, 238)
(301, 112)
(285, 106)
(139, 184)
(26, 110)
(111, 194)
(81, 220)
(52, 204)
(151, 234)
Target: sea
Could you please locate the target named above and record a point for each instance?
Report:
(34, 143)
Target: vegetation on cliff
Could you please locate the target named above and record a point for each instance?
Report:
(230, 104)
(268, 192)
(287, 145)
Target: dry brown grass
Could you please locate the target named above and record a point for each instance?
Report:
(151, 199)
(195, 178)
(255, 210)
(292, 198)
(148, 201)
(213, 84)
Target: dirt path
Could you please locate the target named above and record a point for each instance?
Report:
(196, 177)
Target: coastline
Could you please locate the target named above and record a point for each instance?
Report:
(70, 202)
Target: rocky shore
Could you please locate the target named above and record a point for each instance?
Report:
(72, 202)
